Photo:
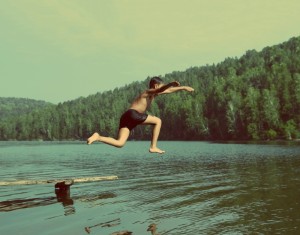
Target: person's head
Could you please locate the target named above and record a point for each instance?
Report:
(154, 82)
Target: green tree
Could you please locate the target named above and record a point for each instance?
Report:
(270, 112)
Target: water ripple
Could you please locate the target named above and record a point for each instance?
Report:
(198, 188)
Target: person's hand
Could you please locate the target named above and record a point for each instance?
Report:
(189, 89)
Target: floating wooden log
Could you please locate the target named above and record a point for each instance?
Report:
(68, 181)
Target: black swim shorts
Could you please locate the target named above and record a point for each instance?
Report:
(131, 118)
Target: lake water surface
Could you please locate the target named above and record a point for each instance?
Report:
(195, 188)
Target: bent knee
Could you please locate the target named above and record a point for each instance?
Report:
(158, 121)
(120, 144)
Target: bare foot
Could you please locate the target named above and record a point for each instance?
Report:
(93, 138)
(156, 150)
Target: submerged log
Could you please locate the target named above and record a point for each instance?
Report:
(70, 181)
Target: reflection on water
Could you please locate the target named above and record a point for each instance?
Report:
(111, 223)
(62, 196)
(195, 188)
(10, 205)
(63, 192)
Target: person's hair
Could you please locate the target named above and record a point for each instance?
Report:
(153, 81)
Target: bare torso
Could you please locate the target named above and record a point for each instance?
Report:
(142, 102)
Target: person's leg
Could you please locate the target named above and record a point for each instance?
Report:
(122, 138)
(152, 120)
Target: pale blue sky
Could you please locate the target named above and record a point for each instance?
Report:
(58, 50)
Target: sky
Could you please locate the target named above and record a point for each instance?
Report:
(59, 50)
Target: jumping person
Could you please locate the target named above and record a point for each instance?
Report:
(136, 115)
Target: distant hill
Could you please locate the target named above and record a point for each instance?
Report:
(14, 107)
(254, 97)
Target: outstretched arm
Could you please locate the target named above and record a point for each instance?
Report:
(179, 88)
(163, 88)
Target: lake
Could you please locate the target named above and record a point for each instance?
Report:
(194, 188)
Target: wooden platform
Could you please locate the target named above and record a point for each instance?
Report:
(74, 180)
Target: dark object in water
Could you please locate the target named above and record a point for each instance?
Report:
(105, 224)
(122, 233)
(63, 186)
(62, 191)
(152, 228)
(87, 229)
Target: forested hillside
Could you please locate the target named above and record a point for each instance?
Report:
(11, 107)
(255, 97)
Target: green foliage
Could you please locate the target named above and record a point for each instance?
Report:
(11, 107)
(254, 97)
(290, 130)
(271, 134)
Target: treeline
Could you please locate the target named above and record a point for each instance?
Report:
(254, 97)
(10, 107)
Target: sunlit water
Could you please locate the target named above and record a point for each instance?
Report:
(195, 188)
